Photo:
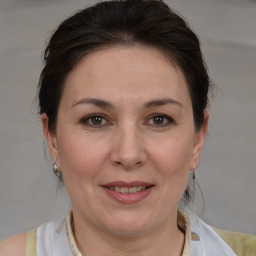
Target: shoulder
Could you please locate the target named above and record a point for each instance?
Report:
(14, 246)
(242, 244)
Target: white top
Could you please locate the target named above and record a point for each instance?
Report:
(53, 239)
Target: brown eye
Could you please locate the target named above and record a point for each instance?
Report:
(95, 121)
(160, 120)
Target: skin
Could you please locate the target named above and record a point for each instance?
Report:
(128, 142)
(14, 246)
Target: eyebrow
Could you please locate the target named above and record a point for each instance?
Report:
(106, 104)
(161, 102)
(94, 101)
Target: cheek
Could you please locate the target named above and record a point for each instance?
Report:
(174, 155)
(172, 160)
(80, 157)
(81, 163)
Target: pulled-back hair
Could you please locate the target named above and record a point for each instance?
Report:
(127, 22)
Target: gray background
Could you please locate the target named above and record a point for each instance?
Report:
(227, 172)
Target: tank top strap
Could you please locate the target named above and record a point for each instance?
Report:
(31, 243)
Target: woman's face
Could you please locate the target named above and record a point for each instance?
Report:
(125, 139)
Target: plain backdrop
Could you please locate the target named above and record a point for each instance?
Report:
(227, 172)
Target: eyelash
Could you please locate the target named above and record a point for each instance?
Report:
(167, 119)
(88, 120)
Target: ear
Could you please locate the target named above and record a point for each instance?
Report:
(51, 139)
(199, 141)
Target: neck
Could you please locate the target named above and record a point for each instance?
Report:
(164, 240)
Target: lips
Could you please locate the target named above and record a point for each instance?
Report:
(128, 192)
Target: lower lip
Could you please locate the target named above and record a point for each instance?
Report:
(126, 198)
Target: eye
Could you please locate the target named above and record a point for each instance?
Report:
(95, 120)
(160, 120)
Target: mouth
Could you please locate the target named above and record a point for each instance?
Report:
(131, 192)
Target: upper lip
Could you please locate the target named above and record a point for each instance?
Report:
(127, 184)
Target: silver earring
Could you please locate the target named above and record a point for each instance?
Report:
(57, 173)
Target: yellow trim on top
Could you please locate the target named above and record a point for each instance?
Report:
(31, 243)
(241, 244)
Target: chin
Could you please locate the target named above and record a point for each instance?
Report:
(129, 226)
(128, 231)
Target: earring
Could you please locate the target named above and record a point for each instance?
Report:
(57, 173)
(194, 175)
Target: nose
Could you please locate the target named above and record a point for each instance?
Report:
(128, 148)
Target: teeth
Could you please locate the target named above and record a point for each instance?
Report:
(133, 190)
(125, 190)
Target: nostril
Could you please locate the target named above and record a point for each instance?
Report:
(129, 164)
(138, 164)
(128, 157)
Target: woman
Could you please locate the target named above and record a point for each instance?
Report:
(123, 103)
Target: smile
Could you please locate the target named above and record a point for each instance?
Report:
(127, 190)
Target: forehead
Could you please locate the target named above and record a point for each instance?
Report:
(126, 72)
